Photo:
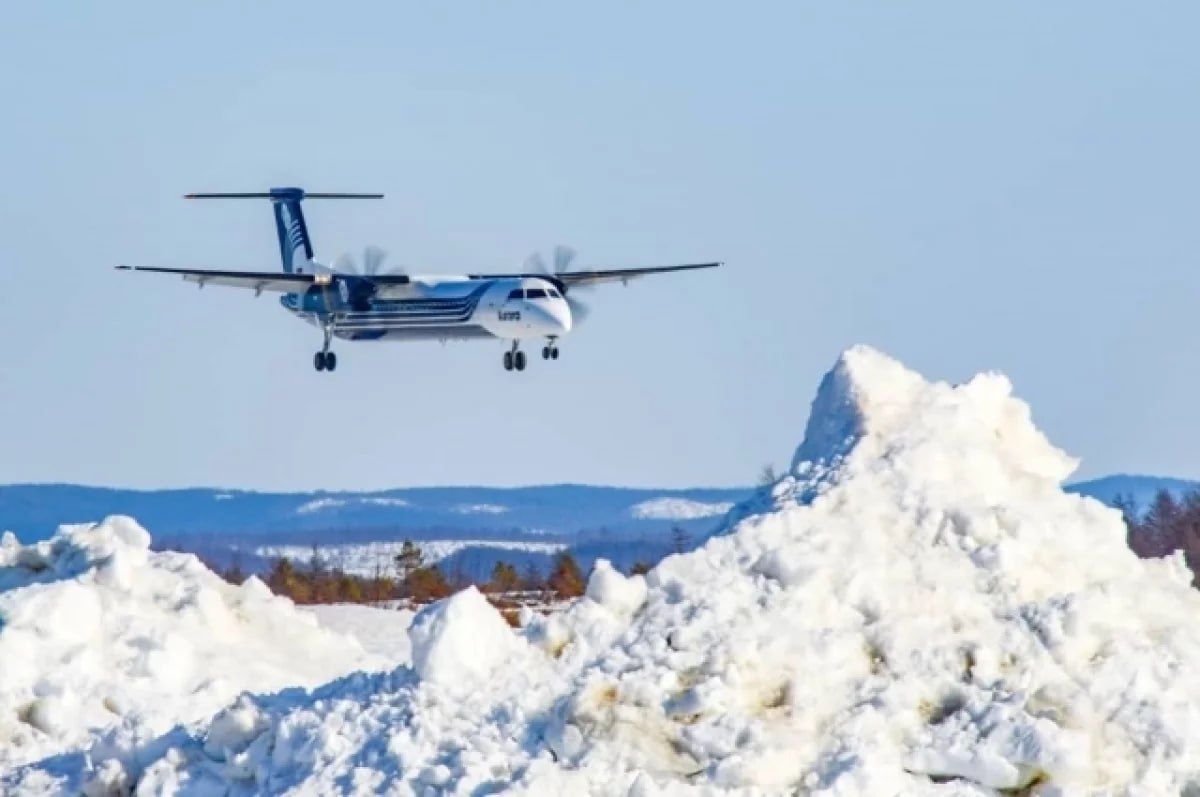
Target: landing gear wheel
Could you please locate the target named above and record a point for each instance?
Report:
(519, 361)
(545, 352)
(508, 361)
(319, 361)
(330, 361)
(554, 353)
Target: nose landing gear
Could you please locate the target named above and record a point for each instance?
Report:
(514, 359)
(550, 350)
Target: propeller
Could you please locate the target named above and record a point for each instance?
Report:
(360, 289)
(562, 258)
(372, 263)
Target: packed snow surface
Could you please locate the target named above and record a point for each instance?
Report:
(677, 509)
(98, 635)
(378, 630)
(916, 608)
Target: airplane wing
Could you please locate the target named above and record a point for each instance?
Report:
(597, 276)
(571, 279)
(259, 281)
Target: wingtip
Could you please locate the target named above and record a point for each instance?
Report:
(123, 267)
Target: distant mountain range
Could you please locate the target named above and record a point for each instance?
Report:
(465, 527)
(34, 511)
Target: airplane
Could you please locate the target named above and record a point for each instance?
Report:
(373, 303)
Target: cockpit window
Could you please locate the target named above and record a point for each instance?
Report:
(535, 293)
(517, 294)
(553, 293)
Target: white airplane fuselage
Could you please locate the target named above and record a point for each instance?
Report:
(440, 308)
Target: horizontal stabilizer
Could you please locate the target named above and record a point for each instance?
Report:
(282, 194)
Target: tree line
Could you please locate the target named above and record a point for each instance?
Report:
(1169, 524)
(408, 577)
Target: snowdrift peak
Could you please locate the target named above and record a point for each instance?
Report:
(873, 410)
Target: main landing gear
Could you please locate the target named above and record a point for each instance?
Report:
(514, 358)
(325, 360)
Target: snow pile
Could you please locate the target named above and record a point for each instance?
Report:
(916, 608)
(458, 640)
(100, 635)
(677, 509)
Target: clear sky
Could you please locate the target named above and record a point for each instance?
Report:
(967, 186)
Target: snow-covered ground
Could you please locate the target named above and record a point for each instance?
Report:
(100, 638)
(380, 631)
(369, 558)
(916, 608)
(479, 509)
(677, 509)
(324, 504)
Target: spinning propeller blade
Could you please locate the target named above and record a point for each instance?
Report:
(562, 257)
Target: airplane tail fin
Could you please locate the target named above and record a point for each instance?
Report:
(289, 220)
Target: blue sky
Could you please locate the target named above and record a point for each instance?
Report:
(1013, 186)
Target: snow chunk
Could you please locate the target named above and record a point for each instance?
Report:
(460, 639)
(615, 592)
(233, 729)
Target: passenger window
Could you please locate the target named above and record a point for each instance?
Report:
(535, 293)
(517, 294)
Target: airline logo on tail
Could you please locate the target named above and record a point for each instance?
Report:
(293, 233)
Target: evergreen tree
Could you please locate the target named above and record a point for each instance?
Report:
(504, 578)
(566, 579)
(427, 584)
(408, 562)
(1161, 529)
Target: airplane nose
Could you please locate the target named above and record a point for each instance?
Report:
(562, 314)
(553, 318)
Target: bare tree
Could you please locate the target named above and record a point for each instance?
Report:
(680, 539)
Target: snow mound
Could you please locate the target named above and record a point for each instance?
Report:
(916, 608)
(460, 640)
(98, 635)
(677, 509)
